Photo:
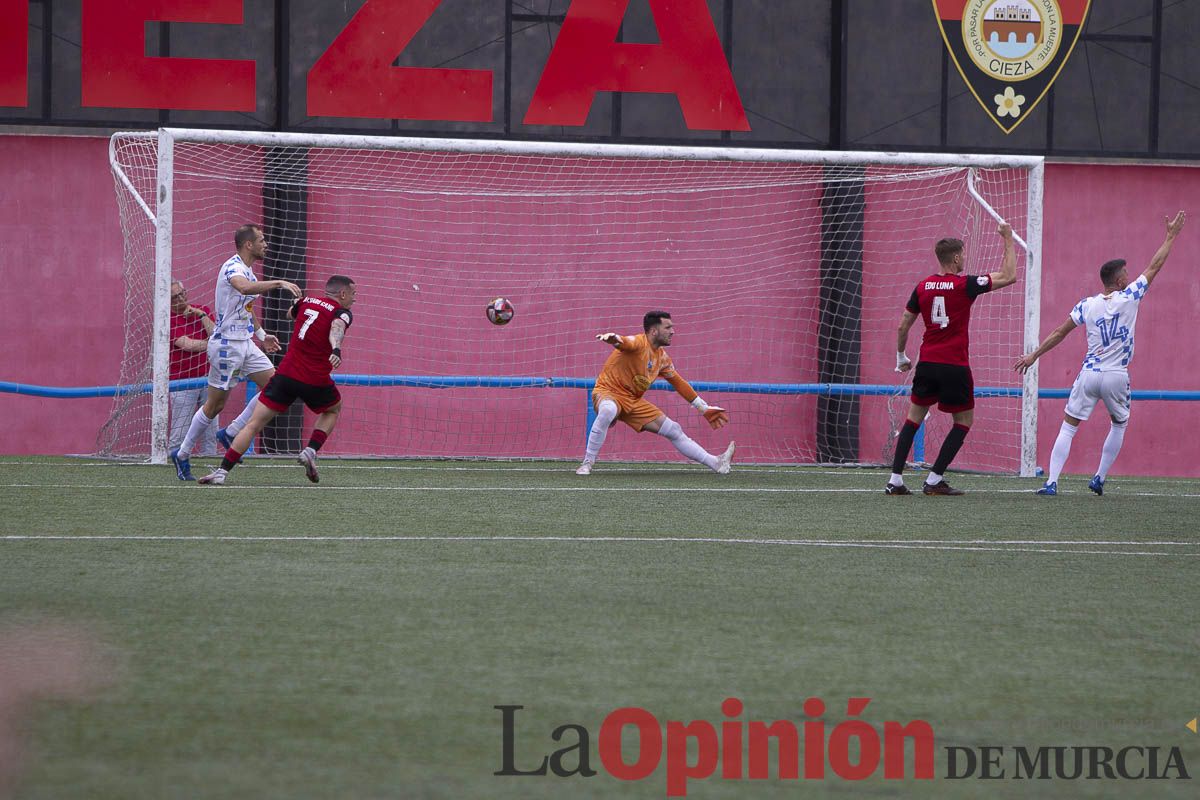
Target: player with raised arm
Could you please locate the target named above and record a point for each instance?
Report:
(304, 374)
(943, 373)
(231, 351)
(1109, 318)
(626, 376)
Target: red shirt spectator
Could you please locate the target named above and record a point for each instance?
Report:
(190, 326)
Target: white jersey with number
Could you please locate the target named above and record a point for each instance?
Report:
(1110, 320)
(233, 308)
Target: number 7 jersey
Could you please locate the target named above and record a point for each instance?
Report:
(1109, 320)
(944, 302)
(307, 358)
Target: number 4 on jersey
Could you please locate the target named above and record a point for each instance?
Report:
(938, 313)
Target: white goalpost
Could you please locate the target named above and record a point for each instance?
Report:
(784, 271)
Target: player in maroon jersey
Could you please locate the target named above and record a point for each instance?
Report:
(943, 374)
(304, 374)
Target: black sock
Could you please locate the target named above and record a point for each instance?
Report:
(231, 459)
(954, 440)
(903, 444)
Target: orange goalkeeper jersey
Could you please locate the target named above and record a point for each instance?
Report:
(633, 366)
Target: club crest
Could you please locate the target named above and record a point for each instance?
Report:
(1010, 51)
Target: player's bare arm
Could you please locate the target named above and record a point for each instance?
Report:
(906, 322)
(189, 345)
(1008, 266)
(1174, 226)
(337, 332)
(205, 320)
(1048, 344)
(248, 287)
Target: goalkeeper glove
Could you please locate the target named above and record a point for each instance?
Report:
(717, 417)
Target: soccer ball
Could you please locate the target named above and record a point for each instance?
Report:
(500, 311)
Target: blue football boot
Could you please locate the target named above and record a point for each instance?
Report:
(183, 466)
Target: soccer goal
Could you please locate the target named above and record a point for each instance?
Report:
(785, 273)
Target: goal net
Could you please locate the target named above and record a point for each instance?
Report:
(785, 273)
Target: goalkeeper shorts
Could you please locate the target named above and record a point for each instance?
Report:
(637, 414)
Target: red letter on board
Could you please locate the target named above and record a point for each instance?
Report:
(355, 76)
(688, 64)
(14, 53)
(116, 71)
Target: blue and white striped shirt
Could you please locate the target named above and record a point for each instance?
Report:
(233, 307)
(1110, 319)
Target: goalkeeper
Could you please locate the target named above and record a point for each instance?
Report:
(626, 376)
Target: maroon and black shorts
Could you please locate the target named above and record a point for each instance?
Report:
(282, 391)
(949, 385)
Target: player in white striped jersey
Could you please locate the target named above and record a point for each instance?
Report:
(1109, 318)
(232, 353)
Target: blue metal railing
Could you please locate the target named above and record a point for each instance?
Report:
(518, 382)
(483, 381)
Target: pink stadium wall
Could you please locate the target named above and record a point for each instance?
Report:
(62, 256)
(1093, 214)
(60, 262)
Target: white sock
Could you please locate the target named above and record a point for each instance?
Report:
(896, 480)
(1062, 449)
(242, 418)
(604, 419)
(200, 424)
(1112, 446)
(933, 479)
(675, 435)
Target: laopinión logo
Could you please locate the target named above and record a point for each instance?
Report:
(731, 748)
(1010, 51)
(852, 750)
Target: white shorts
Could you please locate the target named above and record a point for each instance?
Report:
(1092, 387)
(231, 360)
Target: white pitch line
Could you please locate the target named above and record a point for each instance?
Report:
(830, 543)
(692, 489)
(630, 469)
(567, 466)
(307, 487)
(616, 468)
(627, 469)
(516, 538)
